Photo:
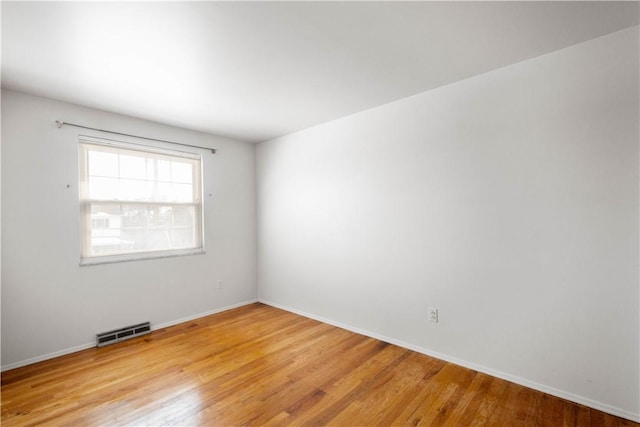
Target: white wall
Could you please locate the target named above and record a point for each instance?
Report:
(49, 303)
(508, 200)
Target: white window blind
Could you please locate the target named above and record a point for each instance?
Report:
(138, 203)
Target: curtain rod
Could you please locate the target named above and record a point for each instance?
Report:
(60, 123)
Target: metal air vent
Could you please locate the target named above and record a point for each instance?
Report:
(122, 334)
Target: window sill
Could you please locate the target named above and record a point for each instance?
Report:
(110, 259)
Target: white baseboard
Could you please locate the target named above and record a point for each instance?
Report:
(502, 375)
(48, 356)
(199, 315)
(93, 344)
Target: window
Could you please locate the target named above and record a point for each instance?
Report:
(138, 203)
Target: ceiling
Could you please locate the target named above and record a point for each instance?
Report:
(257, 70)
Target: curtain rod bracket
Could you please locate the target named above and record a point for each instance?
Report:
(60, 123)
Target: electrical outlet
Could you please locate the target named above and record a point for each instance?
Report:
(433, 314)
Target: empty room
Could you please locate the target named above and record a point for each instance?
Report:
(320, 213)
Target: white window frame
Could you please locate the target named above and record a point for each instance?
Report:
(86, 255)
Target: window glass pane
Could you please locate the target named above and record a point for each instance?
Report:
(181, 172)
(103, 188)
(182, 238)
(182, 192)
(183, 216)
(134, 216)
(162, 192)
(133, 167)
(164, 170)
(163, 216)
(105, 229)
(132, 228)
(103, 164)
(134, 190)
(151, 169)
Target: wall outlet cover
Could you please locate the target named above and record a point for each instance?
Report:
(433, 314)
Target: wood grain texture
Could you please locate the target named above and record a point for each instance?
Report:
(257, 365)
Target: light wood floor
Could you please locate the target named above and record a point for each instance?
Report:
(257, 365)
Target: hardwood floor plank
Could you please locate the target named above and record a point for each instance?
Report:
(551, 411)
(260, 366)
(424, 388)
(444, 385)
(337, 382)
(505, 410)
(463, 402)
(584, 416)
(470, 411)
(387, 397)
(339, 405)
(463, 382)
